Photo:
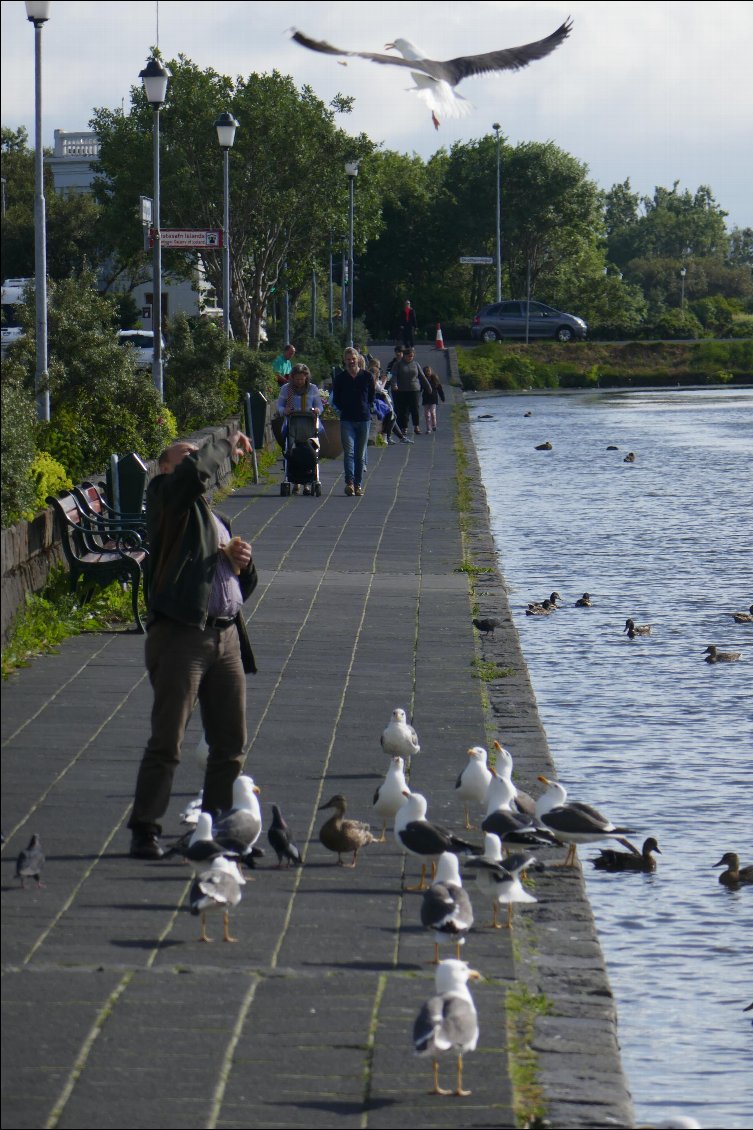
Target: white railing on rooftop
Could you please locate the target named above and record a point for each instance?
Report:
(79, 144)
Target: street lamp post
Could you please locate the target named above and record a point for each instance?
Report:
(226, 126)
(351, 168)
(496, 127)
(683, 273)
(154, 77)
(38, 14)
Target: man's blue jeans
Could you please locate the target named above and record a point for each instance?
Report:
(355, 440)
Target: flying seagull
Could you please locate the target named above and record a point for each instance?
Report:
(436, 80)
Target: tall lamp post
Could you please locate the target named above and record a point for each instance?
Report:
(38, 14)
(154, 77)
(226, 126)
(496, 127)
(683, 273)
(351, 168)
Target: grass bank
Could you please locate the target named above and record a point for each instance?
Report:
(514, 366)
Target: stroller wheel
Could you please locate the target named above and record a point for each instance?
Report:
(284, 489)
(318, 490)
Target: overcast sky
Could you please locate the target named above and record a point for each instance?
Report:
(656, 92)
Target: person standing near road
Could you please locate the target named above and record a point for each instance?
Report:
(197, 647)
(407, 323)
(408, 381)
(353, 397)
(283, 364)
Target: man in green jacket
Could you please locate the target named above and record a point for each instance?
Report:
(196, 646)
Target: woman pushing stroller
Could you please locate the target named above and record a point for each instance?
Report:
(300, 405)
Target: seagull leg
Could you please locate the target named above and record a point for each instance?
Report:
(461, 1094)
(437, 1090)
(383, 836)
(203, 934)
(422, 884)
(226, 935)
(494, 924)
(436, 954)
(572, 855)
(509, 916)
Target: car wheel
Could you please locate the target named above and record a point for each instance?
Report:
(489, 334)
(564, 333)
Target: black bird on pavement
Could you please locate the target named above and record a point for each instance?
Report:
(486, 625)
(30, 862)
(281, 840)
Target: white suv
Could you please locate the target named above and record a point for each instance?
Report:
(142, 343)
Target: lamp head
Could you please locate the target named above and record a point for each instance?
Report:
(154, 77)
(226, 126)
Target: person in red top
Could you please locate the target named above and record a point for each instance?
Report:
(407, 323)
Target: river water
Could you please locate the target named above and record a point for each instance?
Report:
(644, 729)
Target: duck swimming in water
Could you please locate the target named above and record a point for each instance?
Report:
(714, 656)
(549, 604)
(632, 629)
(544, 609)
(742, 617)
(629, 458)
(584, 601)
(735, 875)
(544, 446)
(611, 860)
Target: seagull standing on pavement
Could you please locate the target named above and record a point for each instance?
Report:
(418, 836)
(399, 737)
(473, 782)
(448, 1021)
(390, 796)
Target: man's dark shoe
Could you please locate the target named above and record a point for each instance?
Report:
(145, 845)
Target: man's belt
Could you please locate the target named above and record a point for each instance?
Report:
(220, 621)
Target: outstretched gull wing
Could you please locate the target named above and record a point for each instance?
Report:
(453, 71)
(508, 59)
(325, 48)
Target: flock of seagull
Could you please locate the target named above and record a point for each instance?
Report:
(513, 826)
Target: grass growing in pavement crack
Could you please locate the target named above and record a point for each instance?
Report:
(489, 671)
(522, 1008)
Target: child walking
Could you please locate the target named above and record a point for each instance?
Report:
(432, 394)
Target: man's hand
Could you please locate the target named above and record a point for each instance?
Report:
(238, 553)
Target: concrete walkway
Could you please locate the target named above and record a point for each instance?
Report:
(114, 1015)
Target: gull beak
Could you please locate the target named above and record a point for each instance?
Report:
(389, 46)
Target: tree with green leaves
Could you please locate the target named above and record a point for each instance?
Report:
(73, 236)
(99, 404)
(288, 186)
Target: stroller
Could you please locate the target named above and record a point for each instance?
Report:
(301, 454)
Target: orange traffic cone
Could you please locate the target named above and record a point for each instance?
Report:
(439, 340)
